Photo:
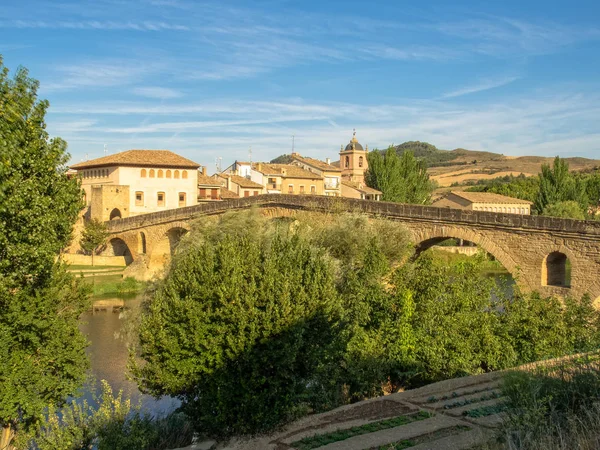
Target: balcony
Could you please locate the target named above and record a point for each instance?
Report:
(332, 185)
(274, 186)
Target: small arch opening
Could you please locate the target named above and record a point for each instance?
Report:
(184, 174)
(143, 173)
(142, 243)
(115, 214)
(151, 173)
(160, 173)
(347, 162)
(176, 174)
(168, 174)
(360, 161)
(556, 270)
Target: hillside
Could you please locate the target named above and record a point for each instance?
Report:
(460, 166)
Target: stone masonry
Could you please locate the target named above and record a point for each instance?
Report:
(527, 246)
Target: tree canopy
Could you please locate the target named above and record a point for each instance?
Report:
(402, 179)
(93, 237)
(41, 349)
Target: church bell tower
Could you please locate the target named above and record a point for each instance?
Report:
(353, 161)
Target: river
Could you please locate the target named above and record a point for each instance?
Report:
(108, 353)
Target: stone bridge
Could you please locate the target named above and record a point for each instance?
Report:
(550, 255)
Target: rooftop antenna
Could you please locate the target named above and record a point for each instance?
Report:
(86, 157)
(105, 151)
(218, 163)
(293, 143)
(250, 154)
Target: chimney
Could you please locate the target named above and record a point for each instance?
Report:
(328, 161)
(295, 154)
(204, 170)
(283, 172)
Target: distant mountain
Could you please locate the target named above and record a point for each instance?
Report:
(282, 159)
(435, 157)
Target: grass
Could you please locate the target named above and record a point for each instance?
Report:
(485, 411)
(76, 267)
(341, 435)
(114, 285)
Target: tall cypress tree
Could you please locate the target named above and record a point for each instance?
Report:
(41, 349)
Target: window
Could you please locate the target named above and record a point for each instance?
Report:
(176, 174)
(202, 192)
(214, 194)
(168, 174)
(246, 193)
(360, 161)
(160, 198)
(347, 163)
(302, 189)
(139, 198)
(313, 189)
(255, 192)
(181, 199)
(160, 173)
(290, 189)
(184, 174)
(143, 173)
(151, 173)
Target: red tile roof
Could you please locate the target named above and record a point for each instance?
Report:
(140, 158)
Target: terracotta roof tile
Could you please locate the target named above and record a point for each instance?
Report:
(322, 165)
(227, 194)
(361, 187)
(489, 197)
(205, 180)
(291, 171)
(140, 158)
(245, 182)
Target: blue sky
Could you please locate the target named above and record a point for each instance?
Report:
(214, 79)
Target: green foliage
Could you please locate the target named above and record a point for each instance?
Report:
(93, 237)
(546, 405)
(558, 185)
(402, 179)
(522, 187)
(243, 331)
(114, 425)
(42, 351)
(260, 321)
(567, 210)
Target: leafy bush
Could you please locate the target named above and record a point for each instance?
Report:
(114, 425)
(243, 330)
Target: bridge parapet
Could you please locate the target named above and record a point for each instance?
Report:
(391, 210)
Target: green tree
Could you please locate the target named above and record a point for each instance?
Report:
(93, 237)
(41, 349)
(558, 185)
(566, 210)
(243, 331)
(402, 179)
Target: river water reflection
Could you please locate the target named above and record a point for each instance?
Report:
(108, 353)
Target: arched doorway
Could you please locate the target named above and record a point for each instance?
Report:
(556, 270)
(115, 214)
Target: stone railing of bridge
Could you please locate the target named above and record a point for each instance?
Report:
(590, 229)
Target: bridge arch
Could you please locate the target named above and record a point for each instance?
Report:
(425, 239)
(164, 247)
(118, 247)
(556, 270)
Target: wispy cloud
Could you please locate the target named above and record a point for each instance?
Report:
(161, 93)
(95, 25)
(483, 85)
(99, 74)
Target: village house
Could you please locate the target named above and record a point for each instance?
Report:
(287, 179)
(331, 175)
(484, 201)
(137, 182)
(241, 186)
(209, 189)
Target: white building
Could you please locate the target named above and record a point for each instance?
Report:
(137, 182)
